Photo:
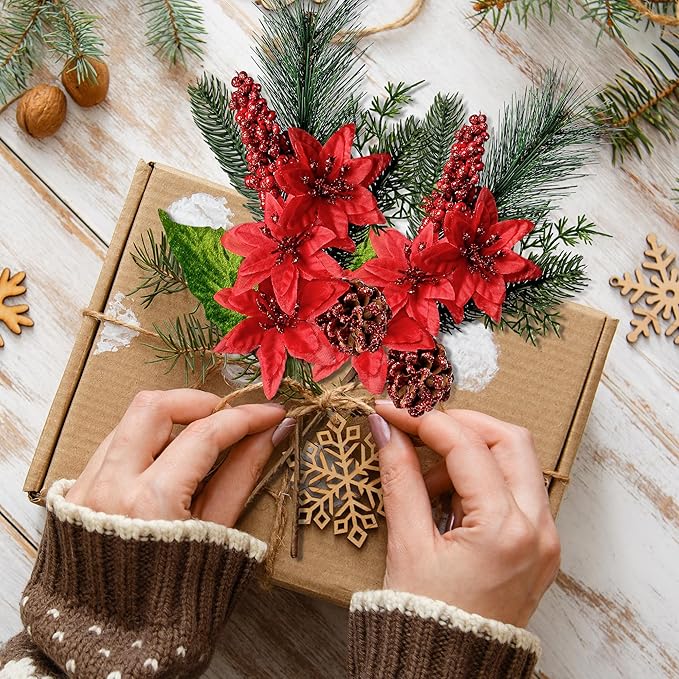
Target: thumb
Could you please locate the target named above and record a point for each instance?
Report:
(406, 501)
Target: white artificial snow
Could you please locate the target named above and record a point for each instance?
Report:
(113, 336)
(202, 209)
(473, 353)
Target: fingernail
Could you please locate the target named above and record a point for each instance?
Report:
(383, 402)
(283, 430)
(380, 429)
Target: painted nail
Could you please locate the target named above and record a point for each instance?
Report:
(283, 430)
(383, 402)
(380, 429)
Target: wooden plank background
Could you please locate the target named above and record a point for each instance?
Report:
(612, 611)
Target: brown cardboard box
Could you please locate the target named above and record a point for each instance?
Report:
(548, 389)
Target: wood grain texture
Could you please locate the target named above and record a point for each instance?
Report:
(612, 611)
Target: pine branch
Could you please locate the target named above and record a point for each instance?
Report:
(379, 131)
(189, 342)
(310, 63)
(73, 38)
(548, 235)
(175, 28)
(20, 31)
(612, 16)
(631, 106)
(162, 273)
(423, 165)
(498, 12)
(210, 106)
(539, 148)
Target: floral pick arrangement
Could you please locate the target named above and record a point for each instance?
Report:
(374, 231)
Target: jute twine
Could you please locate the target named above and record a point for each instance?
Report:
(404, 20)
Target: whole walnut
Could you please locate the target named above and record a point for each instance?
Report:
(41, 110)
(87, 93)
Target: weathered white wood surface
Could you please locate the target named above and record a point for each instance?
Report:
(612, 612)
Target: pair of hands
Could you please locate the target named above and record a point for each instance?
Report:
(498, 560)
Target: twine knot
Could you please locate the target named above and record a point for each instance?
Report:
(347, 398)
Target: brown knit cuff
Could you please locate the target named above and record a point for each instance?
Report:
(396, 634)
(113, 596)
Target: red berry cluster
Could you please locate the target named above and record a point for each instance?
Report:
(268, 149)
(459, 186)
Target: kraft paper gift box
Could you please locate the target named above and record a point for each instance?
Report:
(548, 388)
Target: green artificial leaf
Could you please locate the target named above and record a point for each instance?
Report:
(364, 252)
(208, 267)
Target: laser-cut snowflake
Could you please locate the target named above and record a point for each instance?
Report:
(659, 292)
(340, 481)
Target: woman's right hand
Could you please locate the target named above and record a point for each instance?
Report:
(503, 552)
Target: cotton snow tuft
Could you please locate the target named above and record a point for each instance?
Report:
(202, 209)
(473, 353)
(113, 336)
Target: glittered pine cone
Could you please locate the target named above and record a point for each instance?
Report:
(358, 321)
(418, 380)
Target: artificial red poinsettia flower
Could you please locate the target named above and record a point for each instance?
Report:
(325, 182)
(480, 250)
(402, 334)
(412, 275)
(276, 334)
(284, 250)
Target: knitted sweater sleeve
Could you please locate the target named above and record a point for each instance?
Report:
(115, 597)
(399, 635)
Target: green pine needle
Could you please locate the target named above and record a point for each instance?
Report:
(539, 148)
(210, 106)
(498, 12)
(187, 341)
(175, 28)
(21, 25)
(310, 64)
(72, 37)
(636, 103)
(425, 167)
(162, 273)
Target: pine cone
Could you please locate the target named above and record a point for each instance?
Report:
(418, 380)
(358, 321)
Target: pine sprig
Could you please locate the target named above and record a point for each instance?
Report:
(423, 168)
(636, 103)
(310, 63)
(498, 12)
(539, 148)
(612, 16)
(549, 235)
(162, 273)
(187, 341)
(378, 130)
(210, 106)
(73, 38)
(21, 24)
(175, 28)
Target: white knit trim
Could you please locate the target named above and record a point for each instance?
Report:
(159, 530)
(386, 600)
(21, 669)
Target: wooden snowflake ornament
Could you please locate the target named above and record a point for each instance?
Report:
(659, 291)
(12, 315)
(340, 481)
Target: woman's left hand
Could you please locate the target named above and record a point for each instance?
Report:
(140, 470)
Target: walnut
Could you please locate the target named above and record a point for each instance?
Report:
(86, 93)
(41, 110)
